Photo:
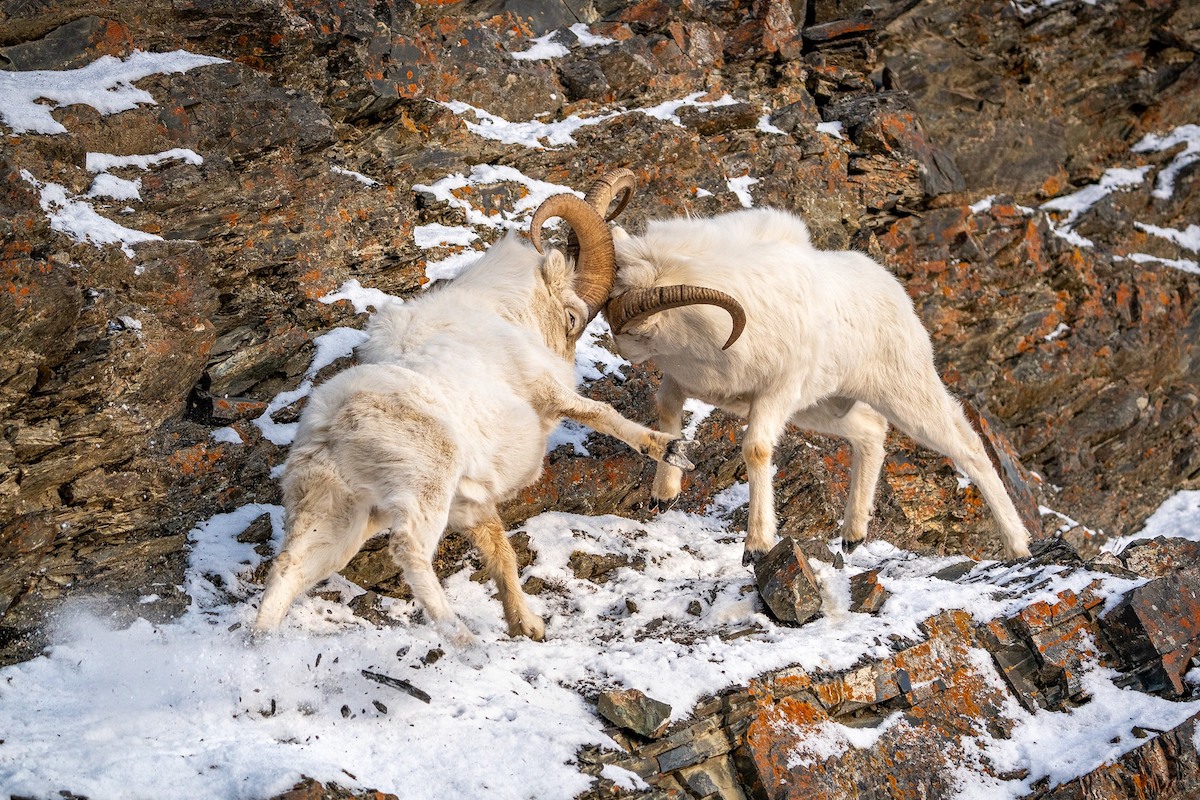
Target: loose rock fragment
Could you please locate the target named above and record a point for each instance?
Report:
(397, 683)
(787, 584)
(1156, 631)
(634, 711)
(867, 594)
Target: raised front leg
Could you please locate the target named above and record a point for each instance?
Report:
(668, 480)
(561, 401)
(501, 563)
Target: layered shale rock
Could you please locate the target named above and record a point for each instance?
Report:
(911, 724)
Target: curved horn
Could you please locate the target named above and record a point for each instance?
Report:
(600, 196)
(637, 304)
(606, 187)
(594, 272)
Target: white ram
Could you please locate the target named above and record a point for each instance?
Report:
(831, 343)
(448, 414)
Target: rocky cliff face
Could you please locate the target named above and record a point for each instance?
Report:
(1028, 170)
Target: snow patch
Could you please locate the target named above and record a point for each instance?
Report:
(358, 176)
(1183, 264)
(741, 188)
(538, 135)
(27, 98)
(1186, 135)
(1077, 203)
(1178, 517)
(1188, 239)
(438, 235)
(105, 162)
(588, 39)
(363, 299)
(834, 128)
(544, 48)
(77, 219)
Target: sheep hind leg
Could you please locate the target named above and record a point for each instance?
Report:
(501, 563)
(937, 421)
(414, 539)
(866, 430)
(317, 546)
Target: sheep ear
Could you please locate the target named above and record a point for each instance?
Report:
(554, 269)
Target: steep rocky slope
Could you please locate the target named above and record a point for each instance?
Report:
(1028, 170)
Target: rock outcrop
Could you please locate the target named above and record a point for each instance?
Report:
(1028, 171)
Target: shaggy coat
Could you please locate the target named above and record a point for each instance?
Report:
(832, 344)
(447, 415)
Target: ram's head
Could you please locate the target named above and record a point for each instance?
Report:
(631, 307)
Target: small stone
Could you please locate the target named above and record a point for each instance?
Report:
(583, 79)
(714, 120)
(695, 609)
(867, 594)
(819, 550)
(1162, 555)
(1155, 632)
(955, 570)
(634, 711)
(787, 585)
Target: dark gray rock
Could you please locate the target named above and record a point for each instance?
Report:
(634, 711)
(786, 583)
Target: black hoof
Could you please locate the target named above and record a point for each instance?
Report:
(659, 506)
(849, 547)
(750, 558)
(677, 454)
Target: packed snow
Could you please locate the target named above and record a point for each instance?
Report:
(191, 708)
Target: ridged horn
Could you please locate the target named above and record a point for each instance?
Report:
(594, 268)
(600, 196)
(637, 304)
(602, 191)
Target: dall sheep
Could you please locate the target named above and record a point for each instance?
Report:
(831, 343)
(447, 414)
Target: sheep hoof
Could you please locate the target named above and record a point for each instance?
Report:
(849, 546)
(750, 558)
(531, 626)
(256, 636)
(677, 454)
(658, 505)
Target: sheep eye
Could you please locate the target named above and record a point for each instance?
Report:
(572, 320)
